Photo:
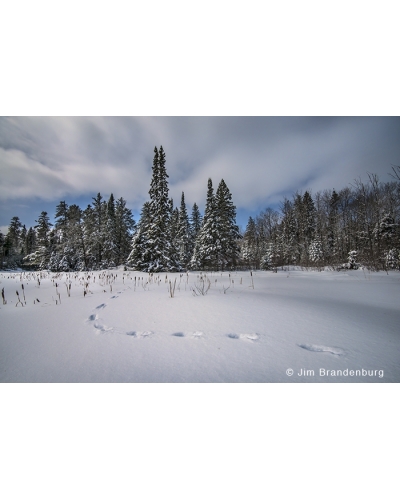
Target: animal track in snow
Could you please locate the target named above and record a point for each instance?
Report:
(98, 324)
(245, 336)
(250, 336)
(145, 334)
(132, 334)
(322, 348)
(178, 334)
(102, 328)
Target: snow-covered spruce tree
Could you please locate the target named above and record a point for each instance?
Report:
(61, 219)
(30, 247)
(154, 183)
(109, 256)
(94, 219)
(69, 254)
(298, 218)
(30, 242)
(124, 227)
(158, 234)
(13, 243)
(205, 255)
(331, 238)
(60, 230)
(139, 257)
(195, 262)
(270, 258)
(88, 229)
(173, 238)
(249, 244)
(196, 221)
(60, 234)
(308, 224)
(24, 233)
(228, 232)
(184, 236)
(45, 241)
(287, 233)
(76, 232)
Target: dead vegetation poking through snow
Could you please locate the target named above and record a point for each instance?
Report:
(48, 286)
(202, 286)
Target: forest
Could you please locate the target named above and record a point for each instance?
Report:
(352, 227)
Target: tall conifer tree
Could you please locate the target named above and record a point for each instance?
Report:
(184, 238)
(205, 251)
(227, 230)
(139, 257)
(196, 221)
(158, 240)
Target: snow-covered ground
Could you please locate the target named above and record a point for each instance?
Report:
(289, 326)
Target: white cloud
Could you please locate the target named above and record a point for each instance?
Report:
(23, 177)
(259, 158)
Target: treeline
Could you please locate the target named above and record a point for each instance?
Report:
(95, 238)
(358, 225)
(105, 234)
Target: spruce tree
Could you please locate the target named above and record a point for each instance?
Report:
(154, 183)
(158, 234)
(109, 257)
(287, 233)
(332, 243)
(61, 218)
(61, 238)
(139, 257)
(270, 258)
(205, 253)
(23, 234)
(173, 238)
(94, 231)
(13, 243)
(71, 255)
(30, 241)
(196, 221)
(249, 244)
(124, 226)
(45, 240)
(228, 232)
(184, 236)
(309, 220)
(88, 230)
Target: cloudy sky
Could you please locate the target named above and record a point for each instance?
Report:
(49, 159)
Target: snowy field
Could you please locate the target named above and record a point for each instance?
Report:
(116, 326)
